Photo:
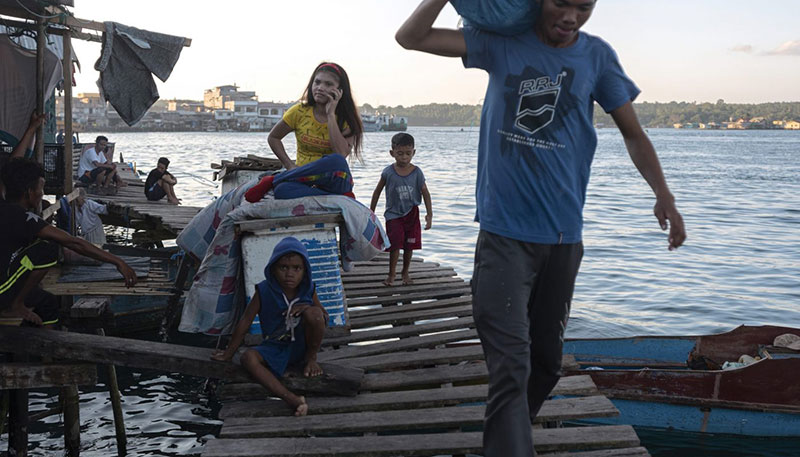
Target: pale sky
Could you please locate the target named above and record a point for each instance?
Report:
(742, 51)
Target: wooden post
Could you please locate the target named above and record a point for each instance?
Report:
(72, 420)
(67, 70)
(173, 303)
(116, 407)
(18, 423)
(4, 403)
(41, 48)
(18, 417)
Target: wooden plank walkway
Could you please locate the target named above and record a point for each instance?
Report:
(424, 388)
(155, 283)
(130, 208)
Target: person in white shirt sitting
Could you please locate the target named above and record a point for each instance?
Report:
(95, 169)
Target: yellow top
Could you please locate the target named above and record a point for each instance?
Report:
(313, 139)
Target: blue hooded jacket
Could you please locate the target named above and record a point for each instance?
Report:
(273, 302)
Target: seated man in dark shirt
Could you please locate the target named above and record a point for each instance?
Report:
(28, 247)
(161, 183)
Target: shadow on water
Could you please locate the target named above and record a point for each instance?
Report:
(673, 443)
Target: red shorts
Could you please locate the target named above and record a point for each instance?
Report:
(405, 232)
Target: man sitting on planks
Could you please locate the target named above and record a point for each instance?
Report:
(28, 247)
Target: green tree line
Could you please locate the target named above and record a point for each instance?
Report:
(650, 114)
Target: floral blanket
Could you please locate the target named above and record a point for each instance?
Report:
(216, 297)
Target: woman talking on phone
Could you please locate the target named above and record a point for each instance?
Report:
(324, 122)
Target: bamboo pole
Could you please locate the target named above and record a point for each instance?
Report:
(116, 407)
(67, 71)
(40, 50)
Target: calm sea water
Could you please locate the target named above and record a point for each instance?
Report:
(738, 192)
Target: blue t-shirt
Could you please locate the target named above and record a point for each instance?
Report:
(537, 139)
(403, 193)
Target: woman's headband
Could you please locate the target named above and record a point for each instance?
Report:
(332, 65)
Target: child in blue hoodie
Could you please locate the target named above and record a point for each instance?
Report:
(292, 323)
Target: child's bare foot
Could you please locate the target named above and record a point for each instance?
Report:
(388, 282)
(299, 404)
(312, 369)
(407, 281)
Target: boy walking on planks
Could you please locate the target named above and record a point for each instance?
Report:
(292, 322)
(405, 187)
(535, 151)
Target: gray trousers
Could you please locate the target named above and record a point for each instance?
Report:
(521, 300)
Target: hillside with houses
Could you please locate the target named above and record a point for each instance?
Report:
(227, 108)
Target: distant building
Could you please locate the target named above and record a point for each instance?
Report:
(186, 106)
(89, 111)
(791, 125)
(218, 97)
(242, 108)
(271, 113)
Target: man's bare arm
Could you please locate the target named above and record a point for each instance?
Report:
(418, 34)
(644, 156)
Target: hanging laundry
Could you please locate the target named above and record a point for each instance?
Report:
(128, 58)
(18, 86)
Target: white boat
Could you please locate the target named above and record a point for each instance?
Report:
(371, 122)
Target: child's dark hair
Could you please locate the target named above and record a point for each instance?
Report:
(346, 110)
(402, 139)
(19, 176)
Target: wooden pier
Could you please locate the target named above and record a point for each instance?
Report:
(413, 352)
(424, 387)
(153, 220)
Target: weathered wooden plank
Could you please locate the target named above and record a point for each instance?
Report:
(383, 259)
(406, 344)
(195, 361)
(409, 317)
(381, 401)
(438, 273)
(556, 439)
(360, 422)
(570, 385)
(407, 307)
(394, 299)
(452, 417)
(90, 306)
(428, 357)
(362, 269)
(400, 288)
(471, 372)
(37, 375)
(155, 283)
(400, 332)
(416, 359)
(50, 210)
